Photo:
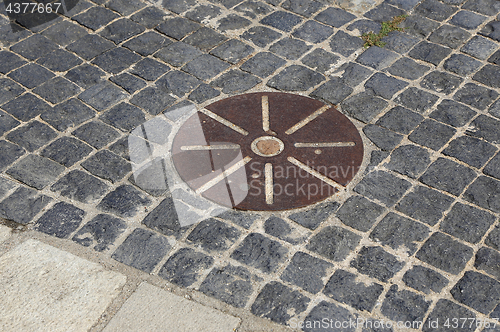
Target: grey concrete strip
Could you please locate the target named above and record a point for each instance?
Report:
(47, 289)
(4, 233)
(153, 309)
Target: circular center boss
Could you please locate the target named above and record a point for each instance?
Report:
(267, 151)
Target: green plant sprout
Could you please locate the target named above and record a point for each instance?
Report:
(372, 39)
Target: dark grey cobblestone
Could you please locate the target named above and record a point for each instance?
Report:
(333, 91)
(441, 82)
(9, 61)
(476, 96)
(334, 243)
(445, 309)
(407, 68)
(381, 137)
(96, 134)
(295, 78)
(302, 7)
(282, 20)
(486, 7)
(384, 13)
(382, 186)
(23, 205)
(352, 73)
(488, 260)
(377, 58)
(149, 17)
(424, 279)
(329, 312)
(435, 10)
(128, 82)
(467, 20)
(236, 81)
(34, 47)
(488, 75)
(10, 90)
(281, 229)
(363, 106)
(232, 22)
(36, 171)
(100, 233)
(479, 47)
(214, 235)
(484, 192)
(359, 213)
(205, 67)
(416, 99)
(85, 75)
(185, 266)
(90, 46)
(477, 291)
(345, 44)
(470, 150)
(493, 167)
(80, 186)
(96, 17)
(202, 93)
(443, 252)
(313, 32)
(178, 54)
(320, 60)
(453, 179)
(202, 12)
(59, 60)
(384, 86)
(61, 220)
(147, 43)
(307, 272)
(233, 51)
(429, 52)
(32, 136)
(400, 119)
(67, 151)
(107, 165)
(164, 219)
(314, 217)
(121, 30)
(400, 42)
(486, 128)
(291, 49)
(343, 287)
(432, 134)
(124, 201)
(450, 36)
(377, 263)
(263, 64)
(10, 153)
(404, 305)
(419, 26)
(149, 69)
(452, 113)
(335, 17)
(205, 39)
(31, 75)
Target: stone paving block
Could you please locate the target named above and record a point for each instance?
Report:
(486, 7)
(409, 160)
(335, 17)
(100, 233)
(214, 235)
(334, 243)
(80, 186)
(449, 176)
(96, 134)
(67, 151)
(232, 22)
(263, 64)
(59, 60)
(467, 223)
(479, 47)
(279, 228)
(377, 58)
(10, 90)
(233, 51)
(486, 128)
(363, 106)
(107, 166)
(416, 99)
(178, 54)
(147, 43)
(424, 204)
(90, 46)
(57, 298)
(400, 42)
(493, 167)
(10, 153)
(471, 151)
(205, 67)
(403, 305)
(36, 171)
(151, 178)
(291, 49)
(278, 303)
(461, 64)
(280, 20)
(5, 186)
(495, 58)
(452, 113)
(176, 82)
(359, 213)
(384, 86)
(429, 52)
(343, 287)
(128, 82)
(10, 61)
(384, 13)
(424, 279)
(102, 96)
(397, 232)
(185, 267)
(261, 36)
(331, 313)
(151, 308)
(125, 201)
(377, 157)
(419, 26)
(85, 75)
(488, 260)
(467, 20)
(23, 205)
(477, 291)
(124, 117)
(476, 96)
(203, 93)
(313, 32)
(164, 219)
(376, 263)
(441, 82)
(484, 192)
(302, 7)
(116, 60)
(381, 137)
(404, 4)
(365, 26)
(34, 47)
(68, 114)
(320, 60)
(61, 220)
(12, 33)
(352, 73)
(153, 100)
(121, 30)
(235, 81)
(382, 186)
(205, 39)
(432, 134)
(125, 7)
(178, 27)
(239, 218)
(307, 272)
(177, 6)
(131, 148)
(142, 250)
(149, 69)
(443, 252)
(231, 284)
(57, 90)
(495, 109)
(450, 36)
(203, 12)
(488, 75)
(446, 309)
(333, 91)
(345, 44)
(260, 252)
(312, 218)
(96, 17)
(64, 33)
(31, 75)
(400, 119)
(435, 10)
(5, 233)
(149, 17)
(253, 9)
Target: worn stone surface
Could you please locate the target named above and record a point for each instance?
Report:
(101, 232)
(359, 213)
(424, 279)
(383, 187)
(445, 309)
(484, 192)
(477, 291)
(214, 235)
(334, 243)
(306, 272)
(377, 263)
(61, 220)
(404, 305)
(260, 252)
(453, 180)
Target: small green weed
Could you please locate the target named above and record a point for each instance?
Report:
(372, 39)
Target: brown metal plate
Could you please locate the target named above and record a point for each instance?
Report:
(267, 151)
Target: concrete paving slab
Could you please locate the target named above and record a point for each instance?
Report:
(47, 289)
(4, 233)
(153, 309)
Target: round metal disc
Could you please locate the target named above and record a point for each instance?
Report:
(267, 151)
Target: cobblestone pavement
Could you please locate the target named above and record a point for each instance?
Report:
(414, 238)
